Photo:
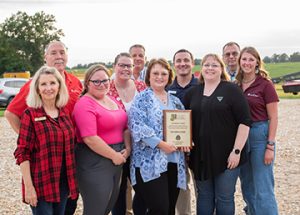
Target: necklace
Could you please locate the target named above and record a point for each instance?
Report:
(108, 103)
(248, 81)
(162, 97)
(126, 93)
(105, 101)
(209, 88)
(164, 100)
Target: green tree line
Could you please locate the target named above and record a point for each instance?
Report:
(282, 58)
(23, 39)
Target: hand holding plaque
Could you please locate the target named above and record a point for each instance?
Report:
(178, 127)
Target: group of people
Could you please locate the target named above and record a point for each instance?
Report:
(104, 137)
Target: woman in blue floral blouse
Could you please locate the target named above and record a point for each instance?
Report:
(157, 168)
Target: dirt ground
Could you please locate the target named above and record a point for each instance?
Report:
(287, 166)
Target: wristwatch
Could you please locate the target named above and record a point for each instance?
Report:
(237, 151)
(271, 143)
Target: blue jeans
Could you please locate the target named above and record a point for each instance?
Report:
(217, 194)
(49, 208)
(257, 179)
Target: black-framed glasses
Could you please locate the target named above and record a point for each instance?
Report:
(123, 65)
(99, 82)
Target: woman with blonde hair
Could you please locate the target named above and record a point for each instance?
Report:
(257, 177)
(45, 150)
(220, 124)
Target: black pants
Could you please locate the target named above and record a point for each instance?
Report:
(71, 206)
(138, 205)
(160, 195)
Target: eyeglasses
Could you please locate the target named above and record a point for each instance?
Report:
(123, 65)
(99, 82)
(214, 66)
(234, 54)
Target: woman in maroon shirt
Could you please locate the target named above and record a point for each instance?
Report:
(257, 178)
(45, 150)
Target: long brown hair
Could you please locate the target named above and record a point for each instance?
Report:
(89, 73)
(260, 70)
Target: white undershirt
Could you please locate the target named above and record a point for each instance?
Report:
(127, 105)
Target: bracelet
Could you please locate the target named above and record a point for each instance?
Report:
(271, 142)
(270, 149)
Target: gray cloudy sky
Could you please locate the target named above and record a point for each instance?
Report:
(99, 30)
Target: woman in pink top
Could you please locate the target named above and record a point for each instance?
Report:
(104, 142)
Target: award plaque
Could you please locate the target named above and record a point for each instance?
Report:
(178, 127)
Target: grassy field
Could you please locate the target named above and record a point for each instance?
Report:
(275, 69)
(2, 111)
(280, 69)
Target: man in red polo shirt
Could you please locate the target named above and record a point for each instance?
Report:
(55, 56)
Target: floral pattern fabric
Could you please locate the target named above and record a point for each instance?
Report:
(146, 121)
(139, 85)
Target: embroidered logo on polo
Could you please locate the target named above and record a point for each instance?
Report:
(252, 95)
(219, 98)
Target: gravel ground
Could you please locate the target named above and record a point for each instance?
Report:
(287, 166)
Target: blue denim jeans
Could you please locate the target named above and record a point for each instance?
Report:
(49, 208)
(257, 179)
(217, 194)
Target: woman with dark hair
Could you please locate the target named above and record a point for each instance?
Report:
(123, 88)
(157, 168)
(257, 177)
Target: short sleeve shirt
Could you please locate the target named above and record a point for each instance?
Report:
(74, 86)
(93, 119)
(260, 93)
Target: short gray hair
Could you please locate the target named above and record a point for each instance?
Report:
(34, 100)
(54, 42)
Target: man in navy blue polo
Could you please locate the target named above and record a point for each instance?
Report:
(183, 64)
